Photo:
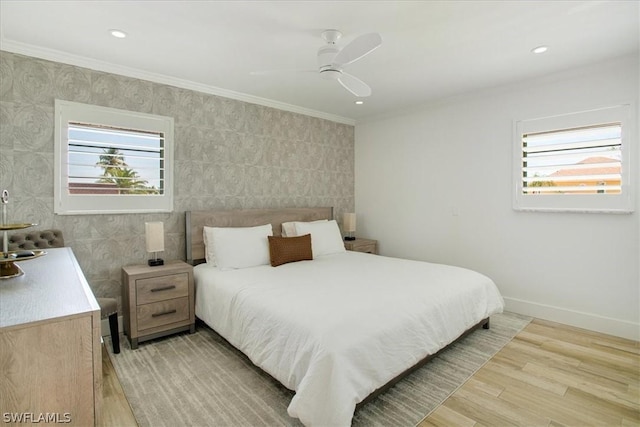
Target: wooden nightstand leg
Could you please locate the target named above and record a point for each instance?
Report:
(134, 343)
(192, 329)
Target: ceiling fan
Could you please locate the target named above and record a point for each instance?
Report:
(332, 60)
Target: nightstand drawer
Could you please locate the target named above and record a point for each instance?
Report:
(369, 248)
(162, 288)
(162, 313)
(362, 245)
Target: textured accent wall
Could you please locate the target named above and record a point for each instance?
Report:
(228, 154)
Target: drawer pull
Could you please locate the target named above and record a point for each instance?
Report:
(164, 288)
(164, 313)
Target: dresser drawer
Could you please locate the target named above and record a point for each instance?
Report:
(162, 313)
(162, 288)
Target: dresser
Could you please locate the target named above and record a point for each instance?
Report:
(50, 346)
(158, 300)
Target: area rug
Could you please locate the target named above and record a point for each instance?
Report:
(200, 380)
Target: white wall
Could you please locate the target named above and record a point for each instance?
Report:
(435, 184)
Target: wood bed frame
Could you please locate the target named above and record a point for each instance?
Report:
(484, 323)
(196, 220)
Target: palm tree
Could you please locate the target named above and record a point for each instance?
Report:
(111, 159)
(118, 173)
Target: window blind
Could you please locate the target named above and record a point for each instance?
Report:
(110, 160)
(583, 160)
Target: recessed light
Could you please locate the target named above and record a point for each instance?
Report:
(359, 102)
(540, 49)
(118, 34)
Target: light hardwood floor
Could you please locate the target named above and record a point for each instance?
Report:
(549, 375)
(116, 411)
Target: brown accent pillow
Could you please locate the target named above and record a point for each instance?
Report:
(289, 249)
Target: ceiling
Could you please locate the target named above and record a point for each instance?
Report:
(430, 49)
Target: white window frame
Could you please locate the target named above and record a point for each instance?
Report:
(73, 204)
(597, 203)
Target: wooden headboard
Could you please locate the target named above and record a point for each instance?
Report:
(196, 220)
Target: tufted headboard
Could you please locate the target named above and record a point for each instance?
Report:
(38, 239)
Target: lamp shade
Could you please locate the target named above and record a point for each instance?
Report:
(154, 235)
(349, 222)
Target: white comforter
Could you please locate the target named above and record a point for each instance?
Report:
(337, 328)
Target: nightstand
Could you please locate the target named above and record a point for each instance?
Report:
(362, 245)
(157, 301)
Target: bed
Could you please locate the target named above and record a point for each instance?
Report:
(336, 329)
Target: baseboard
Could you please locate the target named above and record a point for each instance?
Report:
(104, 324)
(593, 322)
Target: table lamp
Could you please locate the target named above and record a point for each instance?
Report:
(154, 235)
(349, 225)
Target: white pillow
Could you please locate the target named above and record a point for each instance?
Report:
(289, 228)
(325, 236)
(209, 255)
(240, 247)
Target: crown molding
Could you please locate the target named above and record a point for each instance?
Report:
(95, 64)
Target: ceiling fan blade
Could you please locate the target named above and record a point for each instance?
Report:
(286, 71)
(358, 48)
(354, 85)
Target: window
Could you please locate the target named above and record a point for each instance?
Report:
(111, 161)
(574, 162)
